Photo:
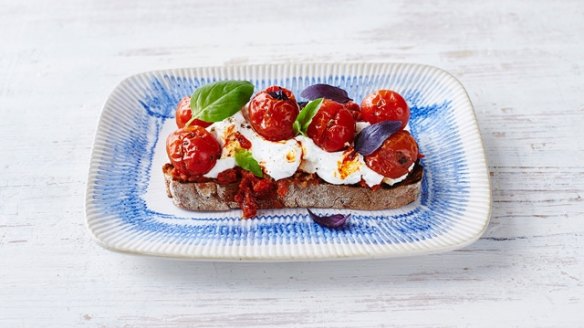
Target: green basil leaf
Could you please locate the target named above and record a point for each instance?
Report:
(297, 128)
(217, 101)
(306, 115)
(245, 160)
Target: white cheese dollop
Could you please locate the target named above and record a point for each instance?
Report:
(278, 159)
(330, 167)
(282, 159)
(370, 177)
(220, 131)
(334, 169)
(221, 165)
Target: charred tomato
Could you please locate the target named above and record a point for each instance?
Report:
(385, 105)
(395, 156)
(333, 126)
(272, 113)
(355, 109)
(193, 151)
(184, 114)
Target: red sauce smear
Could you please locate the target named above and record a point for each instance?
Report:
(349, 163)
(252, 190)
(228, 176)
(243, 142)
(282, 188)
(176, 175)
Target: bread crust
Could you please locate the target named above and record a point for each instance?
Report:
(211, 196)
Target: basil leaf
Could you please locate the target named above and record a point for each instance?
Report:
(245, 160)
(297, 128)
(306, 115)
(217, 101)
(331, 221)
(373, 136)
(325, 91)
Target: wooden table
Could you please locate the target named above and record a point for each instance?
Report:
(521, 62)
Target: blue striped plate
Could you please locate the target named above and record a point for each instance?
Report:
(127, 209)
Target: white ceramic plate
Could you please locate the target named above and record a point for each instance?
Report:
(127, 209)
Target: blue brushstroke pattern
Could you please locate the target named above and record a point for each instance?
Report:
(122, 183)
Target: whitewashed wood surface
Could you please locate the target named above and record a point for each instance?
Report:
(521, 62)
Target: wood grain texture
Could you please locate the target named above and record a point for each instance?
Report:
(522, 64)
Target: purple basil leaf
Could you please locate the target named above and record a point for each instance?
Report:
(373, 136)
(327, 91)
(331, 221)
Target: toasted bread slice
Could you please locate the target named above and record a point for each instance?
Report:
(303, 190)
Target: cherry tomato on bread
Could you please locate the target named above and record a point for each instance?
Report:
(184, 114)
(333, 126)
(355, 109)
(395, 156)
(272, 113)
(385, 105)
(193, 151)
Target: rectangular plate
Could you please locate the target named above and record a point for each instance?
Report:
(127, 208)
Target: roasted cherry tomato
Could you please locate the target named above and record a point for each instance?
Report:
(193, 151)
(385, 105)
(355, 110)
(333, 126)
(184, 114)
(272, 113)
(395, 156)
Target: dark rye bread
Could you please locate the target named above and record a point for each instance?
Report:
(211, 196)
